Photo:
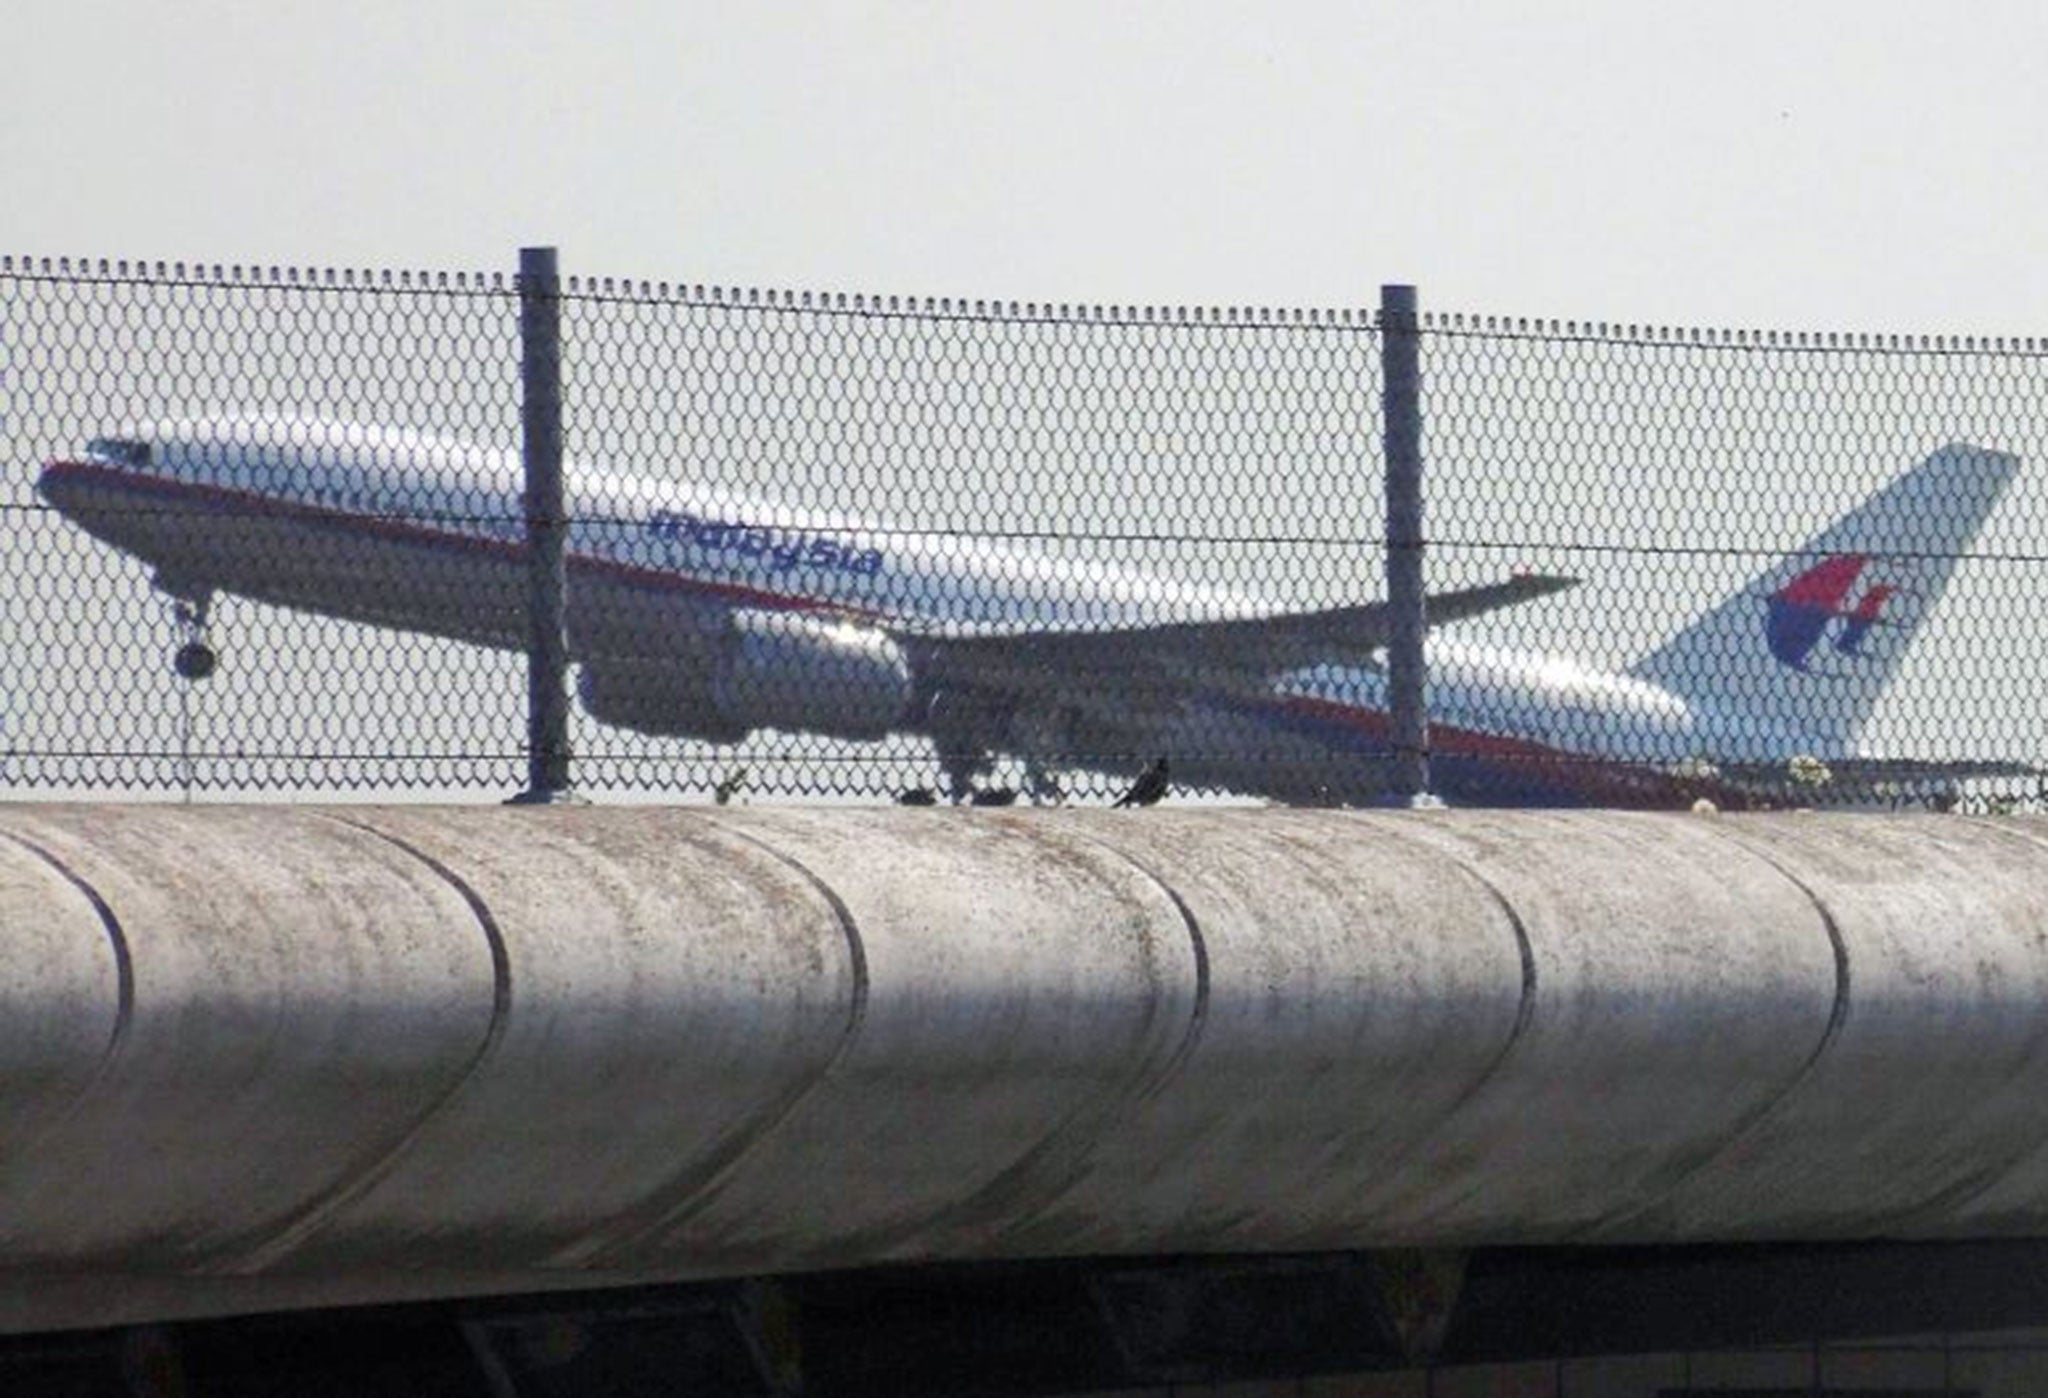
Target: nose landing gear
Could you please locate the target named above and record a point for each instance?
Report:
(195, 658)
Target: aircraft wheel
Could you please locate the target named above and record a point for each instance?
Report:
(195, 660)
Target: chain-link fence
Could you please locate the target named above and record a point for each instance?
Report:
(266, 531)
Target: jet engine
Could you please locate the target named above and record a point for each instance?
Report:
(663, 697)
(810, 674)
(762, 669)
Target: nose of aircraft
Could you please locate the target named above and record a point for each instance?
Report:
(68, 482)
(58, 482)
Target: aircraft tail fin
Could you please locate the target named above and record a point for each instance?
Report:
(1809, 645)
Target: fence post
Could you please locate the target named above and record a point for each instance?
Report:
(1408, 622)
(547, 647)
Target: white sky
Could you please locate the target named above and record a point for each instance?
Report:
(1868, 166)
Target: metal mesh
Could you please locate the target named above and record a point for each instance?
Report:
(1237, 450)
(1044, 536)
(299, 701)
(1674, 471)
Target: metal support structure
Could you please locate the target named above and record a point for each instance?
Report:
(547, 647)
(1401, 376)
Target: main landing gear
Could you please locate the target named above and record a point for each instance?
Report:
(968, 730)
(961, 782)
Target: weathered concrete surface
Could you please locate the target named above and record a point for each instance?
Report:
(253, 1059)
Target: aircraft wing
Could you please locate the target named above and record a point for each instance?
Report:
(1240, 654)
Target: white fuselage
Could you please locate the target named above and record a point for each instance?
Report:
(421, 533)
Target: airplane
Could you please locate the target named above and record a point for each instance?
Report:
(696, 613)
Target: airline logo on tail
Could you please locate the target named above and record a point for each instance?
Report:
(1800, 613)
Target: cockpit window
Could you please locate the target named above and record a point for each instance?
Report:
(119, 450)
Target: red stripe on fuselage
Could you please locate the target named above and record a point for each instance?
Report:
(1597, 780)
(1444, 740)
(1594, 779)
(207, 497)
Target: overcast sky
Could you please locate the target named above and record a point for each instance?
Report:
(1827, 166)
